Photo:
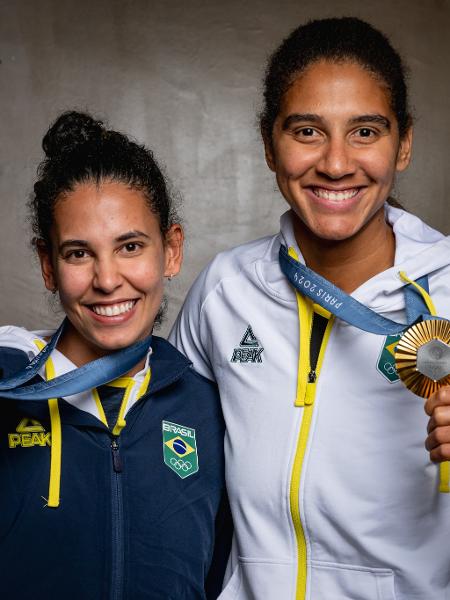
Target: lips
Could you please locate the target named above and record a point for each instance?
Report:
(113, 310)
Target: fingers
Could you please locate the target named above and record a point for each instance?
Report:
(440, 417)
(438, 440)
(438, 444)
(439, 398)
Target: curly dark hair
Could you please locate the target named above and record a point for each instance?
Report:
(80, 149)
(335, 40)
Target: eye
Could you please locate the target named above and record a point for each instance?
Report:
(76, 254)
(306, 134)
(365, 132)
(131, 248)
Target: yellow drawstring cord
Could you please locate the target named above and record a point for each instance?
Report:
(54, 486)
(55, 454)
(425, 295)
(304, 321)
(120, 424)
(55, 425)
(444, 477)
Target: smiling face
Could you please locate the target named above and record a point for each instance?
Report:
(335, 149)
(108, 262)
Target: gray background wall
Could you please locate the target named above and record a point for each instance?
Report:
(184, 77)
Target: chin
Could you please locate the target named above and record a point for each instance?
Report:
(113, 343)
(333, 233)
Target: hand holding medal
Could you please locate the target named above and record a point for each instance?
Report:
(422, 359)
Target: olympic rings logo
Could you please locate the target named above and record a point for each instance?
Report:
(180, 465)
(389, 368)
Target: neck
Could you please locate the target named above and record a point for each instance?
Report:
(76, 348)
(351, 262)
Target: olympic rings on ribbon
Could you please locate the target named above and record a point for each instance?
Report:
(180, 464)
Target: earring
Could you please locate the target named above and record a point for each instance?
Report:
(170, 277)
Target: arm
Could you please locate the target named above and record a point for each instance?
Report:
(189, 333)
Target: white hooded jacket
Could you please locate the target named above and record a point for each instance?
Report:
(333, 496)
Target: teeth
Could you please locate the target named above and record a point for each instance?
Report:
(336, 196)
(113, 309)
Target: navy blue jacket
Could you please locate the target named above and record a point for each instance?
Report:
(128, 528)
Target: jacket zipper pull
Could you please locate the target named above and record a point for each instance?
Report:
(310, 388)
(312, 376)
(116, 458)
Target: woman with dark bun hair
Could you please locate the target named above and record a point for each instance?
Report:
(309, 333)
(111, 445)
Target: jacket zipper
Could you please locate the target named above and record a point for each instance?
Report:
(310, 364)
(117, 565)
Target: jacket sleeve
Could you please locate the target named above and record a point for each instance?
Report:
(189, 334)
(12, 361)
(222, 548)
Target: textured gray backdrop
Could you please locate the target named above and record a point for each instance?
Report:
(184, 77)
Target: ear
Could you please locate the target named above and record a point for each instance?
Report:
(269, 153)
(48, 273)
(173, 247)
(404, 151)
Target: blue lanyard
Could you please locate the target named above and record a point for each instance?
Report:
(90, 375)
(328, 296)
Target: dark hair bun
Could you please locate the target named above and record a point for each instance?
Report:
(70, 130)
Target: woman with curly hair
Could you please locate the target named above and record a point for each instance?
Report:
(111, 445)
(333, 494)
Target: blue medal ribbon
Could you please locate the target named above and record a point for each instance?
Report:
(90, 375)
(331, 298)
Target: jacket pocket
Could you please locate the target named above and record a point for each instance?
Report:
(351, 582)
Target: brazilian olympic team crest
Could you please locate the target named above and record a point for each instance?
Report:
(180, 449)
(386, 360)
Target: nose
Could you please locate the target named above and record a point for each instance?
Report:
(107, 277)
(336, 160)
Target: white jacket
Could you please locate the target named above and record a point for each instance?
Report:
(336, 499)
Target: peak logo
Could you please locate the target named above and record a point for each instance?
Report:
(29, 432)
(249, 349)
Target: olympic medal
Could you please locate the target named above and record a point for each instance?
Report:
(422, 357)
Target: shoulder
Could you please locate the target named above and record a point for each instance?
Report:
(169, 364)
(11, 361)
(222, 282)
(233, 264)
(16, 349)
(174, 379)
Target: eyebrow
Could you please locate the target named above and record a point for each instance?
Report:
(383, 121)
(314, 118)
(300, 118)
(129, 235)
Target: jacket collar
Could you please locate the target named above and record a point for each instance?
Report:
(167, 364)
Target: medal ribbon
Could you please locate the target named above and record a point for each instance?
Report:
(330, 297)
(90, 375)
